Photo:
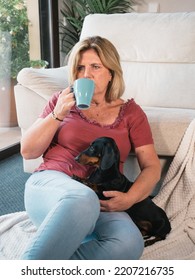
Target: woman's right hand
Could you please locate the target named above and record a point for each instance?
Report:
(65, 101)
(39, 136)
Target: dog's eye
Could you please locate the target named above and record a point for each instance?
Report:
(92, 149)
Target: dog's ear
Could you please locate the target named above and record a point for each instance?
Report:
(109, 157)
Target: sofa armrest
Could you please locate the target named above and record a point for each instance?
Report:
(34, 88)
(28, 106)
(44, 82)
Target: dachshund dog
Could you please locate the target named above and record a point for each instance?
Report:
(104, 154)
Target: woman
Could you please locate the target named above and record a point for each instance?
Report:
(72, 223)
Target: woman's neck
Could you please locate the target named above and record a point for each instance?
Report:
(98, 102)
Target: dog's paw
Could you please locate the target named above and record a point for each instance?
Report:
(152, 240)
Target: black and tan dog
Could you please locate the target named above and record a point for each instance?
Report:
(104, 154)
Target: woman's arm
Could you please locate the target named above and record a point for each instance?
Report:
(143, 185)
(39, 136)
(150, 173)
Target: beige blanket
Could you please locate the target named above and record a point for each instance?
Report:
(177, 197)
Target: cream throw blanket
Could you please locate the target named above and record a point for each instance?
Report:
(177, 197)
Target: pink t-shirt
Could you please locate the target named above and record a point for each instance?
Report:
(76, 132)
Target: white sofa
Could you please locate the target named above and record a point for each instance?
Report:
(158, 59)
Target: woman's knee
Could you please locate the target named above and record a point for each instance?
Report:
(45, 197)
(85, 200)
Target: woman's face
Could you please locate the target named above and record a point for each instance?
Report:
(91, 67)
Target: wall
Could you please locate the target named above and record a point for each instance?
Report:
(34, 33)
(166, 6)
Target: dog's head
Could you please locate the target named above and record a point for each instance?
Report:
(102, 153)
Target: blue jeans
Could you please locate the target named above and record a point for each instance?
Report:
(70, 224)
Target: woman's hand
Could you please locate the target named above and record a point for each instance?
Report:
(39, 136)
(117, 201)
(143, 185)
(65, 101)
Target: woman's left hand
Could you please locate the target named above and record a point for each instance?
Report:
(117, 201)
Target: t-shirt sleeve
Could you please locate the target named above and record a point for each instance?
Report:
(49, 107)
(139, 128)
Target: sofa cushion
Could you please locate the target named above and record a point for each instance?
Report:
(146, 37)
(168, 126)
(160, 84)
(44, 81)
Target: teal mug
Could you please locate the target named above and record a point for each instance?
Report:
(83, 89)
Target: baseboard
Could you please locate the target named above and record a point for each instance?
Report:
(10, 151)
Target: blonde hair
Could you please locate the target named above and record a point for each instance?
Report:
(109, 58)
